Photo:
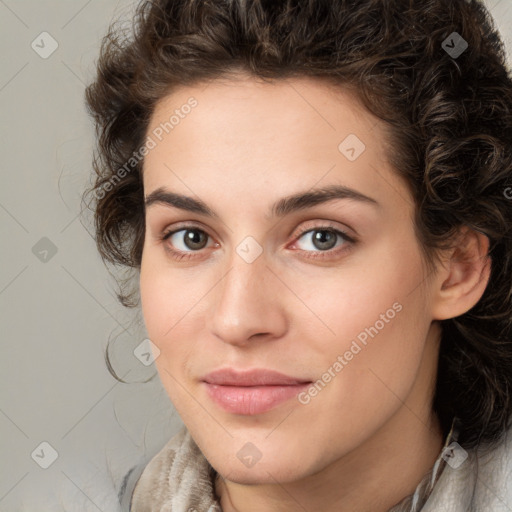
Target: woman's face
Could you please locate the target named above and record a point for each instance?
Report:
(261, 280)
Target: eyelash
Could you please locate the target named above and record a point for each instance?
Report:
(347, 246)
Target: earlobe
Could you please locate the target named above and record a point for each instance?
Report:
(463, 279)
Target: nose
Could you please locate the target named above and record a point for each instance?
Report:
(248, 303)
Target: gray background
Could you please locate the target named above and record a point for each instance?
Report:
(57, 314)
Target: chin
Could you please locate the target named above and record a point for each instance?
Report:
(259, 474)
(273, 464)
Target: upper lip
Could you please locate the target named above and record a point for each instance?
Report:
(254, 377)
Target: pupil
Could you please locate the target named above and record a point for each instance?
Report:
(324, 239)
(195, 238)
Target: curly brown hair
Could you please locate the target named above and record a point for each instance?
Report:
(449, 116)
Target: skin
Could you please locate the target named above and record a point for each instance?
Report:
(368, 437)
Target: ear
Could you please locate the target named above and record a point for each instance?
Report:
(463, 276)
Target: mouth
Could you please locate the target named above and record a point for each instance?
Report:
(251, 392)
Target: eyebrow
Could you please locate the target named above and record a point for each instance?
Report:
(280, 208)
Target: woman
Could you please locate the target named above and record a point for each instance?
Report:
(316, 199)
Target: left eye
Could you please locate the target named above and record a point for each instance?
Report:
(322, 239)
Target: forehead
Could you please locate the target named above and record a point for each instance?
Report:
(244, 106)
(245, 134)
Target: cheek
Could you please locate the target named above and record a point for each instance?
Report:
(373, 313)
(164, 303)
(353, 297)
(172, 302)
(167, 294)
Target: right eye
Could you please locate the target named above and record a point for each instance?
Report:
(193, 239)
(183, 242)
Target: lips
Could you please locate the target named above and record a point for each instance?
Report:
(256, 377)
(252, 391)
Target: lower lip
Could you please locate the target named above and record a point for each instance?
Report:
(250, 400)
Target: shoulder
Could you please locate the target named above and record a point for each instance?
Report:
(176, 478)
(479, 479)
